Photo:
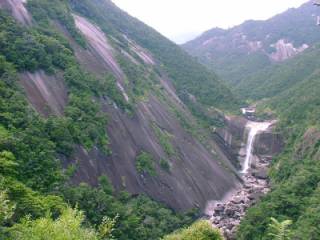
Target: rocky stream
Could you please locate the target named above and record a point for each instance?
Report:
(227, 213)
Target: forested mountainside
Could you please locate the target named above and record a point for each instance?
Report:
(252, 49)
(277, 78)
(99, 115)
(294, 173)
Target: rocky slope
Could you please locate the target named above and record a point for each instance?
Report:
(17, 9)
(160, 120)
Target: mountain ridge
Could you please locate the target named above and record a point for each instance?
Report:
(241, 51)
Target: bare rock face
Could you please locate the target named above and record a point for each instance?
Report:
(239, 41)
(47, 94)
(268, 144)
(283, 49)
(197, 173)
(144, 55)
(286, 50)
(99, 44)
(231, 137)
(17, 9)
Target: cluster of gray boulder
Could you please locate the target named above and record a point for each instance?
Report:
(228, 213)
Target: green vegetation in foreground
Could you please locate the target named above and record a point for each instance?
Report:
(67, 226)
(201, 230)
(280, 230)
(137, 217)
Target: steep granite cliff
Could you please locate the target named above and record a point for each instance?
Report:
(152, 115)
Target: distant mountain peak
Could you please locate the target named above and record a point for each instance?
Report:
(244, 49)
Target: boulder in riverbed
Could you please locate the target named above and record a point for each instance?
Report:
(261, 173)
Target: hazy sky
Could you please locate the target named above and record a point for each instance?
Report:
(181, 20)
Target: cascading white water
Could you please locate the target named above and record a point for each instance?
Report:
(254, 129)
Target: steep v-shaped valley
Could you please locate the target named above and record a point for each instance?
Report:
(275, 65)
(114, 131)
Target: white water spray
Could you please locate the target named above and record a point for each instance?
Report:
(254, 129)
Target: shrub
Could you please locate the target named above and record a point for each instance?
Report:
(67, 226)
(145, 164)
(164, 164)
(164, 138)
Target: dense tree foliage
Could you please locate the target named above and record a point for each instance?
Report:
(30, 50)
(137, 218)
(280, 230)
(66, 227)
(44, 12)
(277, 78)
(24, 141)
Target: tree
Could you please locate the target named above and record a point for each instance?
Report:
(7, 163)
(201, 230)
(67, 227)
(280, 230)
(6, 208)
(107, 227)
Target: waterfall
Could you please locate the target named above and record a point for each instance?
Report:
(254, 128)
